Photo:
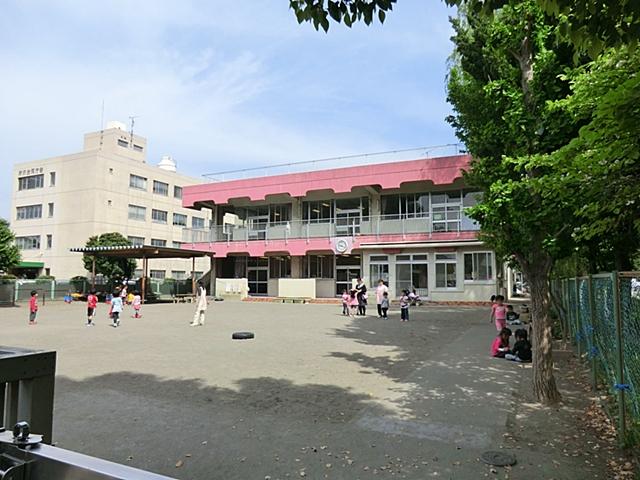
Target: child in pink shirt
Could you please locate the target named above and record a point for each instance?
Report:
(499, 313)
(500, 345)
(33, 307)
(345, 302)
(353, 302)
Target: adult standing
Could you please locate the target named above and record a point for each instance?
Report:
(361, 289)
(381, 289)
(201, 306)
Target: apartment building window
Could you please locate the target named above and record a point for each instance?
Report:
(137, 182)
(446, 266)
(197, 222)
(179, 220)
(123, 143)
(156, 242)
(317, 266)
(157, 274)
(177, 192)
(158, 216)
(137, 148)
(279, 267)
(28, 212)
(49, 240)
(160, 188)
(52, 179)
(178, 274)
(137, 212)
(136, 241)
(30, 182)
(28, 243)
(478, 266)
(50, 205)
(176, 244)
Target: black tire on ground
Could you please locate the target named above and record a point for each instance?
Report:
(242, 335)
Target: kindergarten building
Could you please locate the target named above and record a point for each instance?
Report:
(402, 222)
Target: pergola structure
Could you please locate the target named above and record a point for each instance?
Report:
(146, 253)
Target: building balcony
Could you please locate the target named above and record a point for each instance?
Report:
(299, 237)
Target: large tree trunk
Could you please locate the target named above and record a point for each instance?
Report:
(544, 383)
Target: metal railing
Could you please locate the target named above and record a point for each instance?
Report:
(377, 225)
(27, 380)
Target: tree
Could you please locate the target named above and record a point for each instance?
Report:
(319, 12)
(110, 267)
(9, 252)
(603, 161)
(590, 25)
(506, 68)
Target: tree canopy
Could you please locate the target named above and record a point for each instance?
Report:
(9, 252)
(110, 267)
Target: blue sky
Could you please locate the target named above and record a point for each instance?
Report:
(219, 84)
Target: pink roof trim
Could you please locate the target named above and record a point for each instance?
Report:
(440, 171)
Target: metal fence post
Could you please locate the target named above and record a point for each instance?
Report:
(577, 313)
(619, 386)
(592, 316)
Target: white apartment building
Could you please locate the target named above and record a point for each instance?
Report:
(59, 202)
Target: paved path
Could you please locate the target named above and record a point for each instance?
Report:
(315, 395)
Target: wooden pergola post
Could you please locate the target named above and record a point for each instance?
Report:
(144, 278)
(193, 275)
(93, 273)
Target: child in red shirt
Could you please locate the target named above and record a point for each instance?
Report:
(500, 345)
(92, 303)
(33, 307)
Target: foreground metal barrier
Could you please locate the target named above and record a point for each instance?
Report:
(22, 457)
(27, 379)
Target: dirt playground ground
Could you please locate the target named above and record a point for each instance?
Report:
(314, 395)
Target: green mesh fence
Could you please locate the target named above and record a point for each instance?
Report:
(629, 288)
(592, 304)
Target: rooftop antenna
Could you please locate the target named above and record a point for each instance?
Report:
(132, 119)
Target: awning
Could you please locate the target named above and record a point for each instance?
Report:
(30, 265)
(141, 251)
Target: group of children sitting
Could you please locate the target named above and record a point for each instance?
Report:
(502, 315)
(521, 351)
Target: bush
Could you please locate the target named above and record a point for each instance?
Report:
(45, 278)
(8, 276)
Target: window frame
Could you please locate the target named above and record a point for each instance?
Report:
(137, 217)
(195, 220)
(490, 266)
(133, 240)
(24, 184)
(181, 215)
(29, 212)
(158, 242)
(160, 188)
(446, 262)
(36, 239)
(159, 216)
(133, 178)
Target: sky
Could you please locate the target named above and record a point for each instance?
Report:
(218, 84)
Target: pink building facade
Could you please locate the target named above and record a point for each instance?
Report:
(402, 222)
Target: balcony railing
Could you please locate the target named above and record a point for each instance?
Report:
(302, 229)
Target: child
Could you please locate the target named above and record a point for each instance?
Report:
(92, 303)
(499, 313)
(116, 310)
(381, 289)
(522, 349)
(33, 307)
(130, 297)
(404, 306)
(137, 303)
(345, 302)
(354, 303)
(384, 305)
(500, 346)
(512, 317)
